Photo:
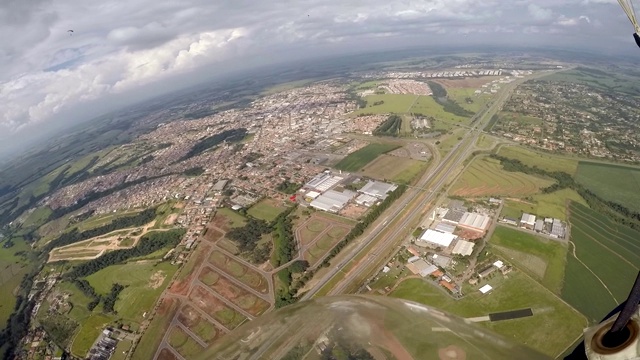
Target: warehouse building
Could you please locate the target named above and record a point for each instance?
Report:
(446, 228)
(453, 216)
(539, 226)
(528, 221)
(378, 189)
(557, 228)
(474, 221)
(419, 266)
(332, 201)
(435, 238)
(463, 247)
(323, 182)
(366, 200)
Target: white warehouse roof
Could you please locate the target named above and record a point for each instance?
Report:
(332, 200)
(323, 182)
(528, 219)
(485, 289)
(378, 189)
(463, 247)
(447, 228)
(437, 237)
(475, 221)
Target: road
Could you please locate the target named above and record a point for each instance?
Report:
(413, 200)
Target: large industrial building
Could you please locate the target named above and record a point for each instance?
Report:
(436, 238)
(333, 201)
(323, 182)
(528, 221)
(378, 189)
(453, 216)
(474, 221)
(463, 247)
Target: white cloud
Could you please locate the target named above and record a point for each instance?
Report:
(539, 13)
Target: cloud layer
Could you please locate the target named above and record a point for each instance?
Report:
(118, 46)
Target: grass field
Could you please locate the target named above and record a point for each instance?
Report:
(485, 142)
(235, 219)
(426, 105)
(547, 205)
(485, 177)
(88, 333)
(200, 326)
(460, 95)
(395, 169)
(152, 337)
(450, 140)
(506, 116)
(553, 327)
(541, 258)
(38, 217)
(122, 349)
(184, 344)
(325, 243)
(239, 271)
(312, 229)
(144, 282)
(597, 79)
(267, 209)
(12, 269)
(541, 160)
(620, 184)
(359, 158)
(242, 298)
(608, 259)
(393, 103)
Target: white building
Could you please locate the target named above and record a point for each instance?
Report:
(437, 238)
(463, 247)
(474, 221)
(332, 201)
(378, 189)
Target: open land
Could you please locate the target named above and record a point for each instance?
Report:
(547, 205)
(615, 183)
(216, 308)
(239, 271)
(237, 295)
(199, 325)
(395, 169)
(541, 160)
(359, 158)
(267, 209)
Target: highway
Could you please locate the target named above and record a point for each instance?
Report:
(415, 199)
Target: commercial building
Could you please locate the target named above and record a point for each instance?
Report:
(453, 216)
(323, 182)
(366, 200)
(485, 289)
(220, 184)
(463, 247)
(474, 221)
(332, 201)
(436, 238)
(557, 228)
(539, 226)
(378, 189)
(421, 267)
(446, 228)
(528, 221)
(441, 260)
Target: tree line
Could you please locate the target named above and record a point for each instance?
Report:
(74, 236)
(288, 187)
(233, 135)
(389, 127)
(284, 242)
(448, 105)
(110, 299)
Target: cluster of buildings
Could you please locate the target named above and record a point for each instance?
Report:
(432, 74)
(432, 268)
(395, 86)
(552, 227)
(104, 346)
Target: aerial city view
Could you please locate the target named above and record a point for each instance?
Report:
(439, 180)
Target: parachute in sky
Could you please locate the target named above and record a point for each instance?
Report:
(627, 6)
(70, 32)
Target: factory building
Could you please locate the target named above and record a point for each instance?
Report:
(463, 247)
(435, 238)
(323, 182)
(528, 221)
(332, 201)
(446, 228)
(378, 189)
(474, 221)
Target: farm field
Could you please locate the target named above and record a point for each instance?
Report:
(548, 205)
(239, 271)
(541, 258)
(393, 103)
(359, 158)
(143, 281)
(395, 169)
(267, 210)
(550, 330)
(541, 160)
(200, 326)
(427, 105)
(611, 182)
(605, 253)
(215, 308)
(485, 177)
(235, 294)
(184, 344)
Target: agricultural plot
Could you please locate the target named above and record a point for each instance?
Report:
(184, 344)
(602, 263)
(235, 294)
(359, 158)
(391, 103)
(216, 308)
(200, 326)
(546, 205)
(267, 210)
(541, 258)
(325, 243)
(550, 330)
(541, 160)
(485, 177)
(239, 271)
(143, 281)
(395, 169)
(616, 183)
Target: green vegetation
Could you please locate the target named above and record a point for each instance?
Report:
(604, 81)
(549, 330)
(284, 244)
(547, 205)
(541, 258)
(486, 177)
(288, 187)
(152, 337)
(195, 171)
(37, 217)
(485, 142)
(428, 106)
(389, 127)
(388, 104)
(233, 135)
(611, 182)
(540, 160)
(448, 105)
(395, 169)
(606, 254)
(236, 219)
(88, 333)
(266, 209)
(184, 344)
(359, 158)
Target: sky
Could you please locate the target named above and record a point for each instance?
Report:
(123, 51)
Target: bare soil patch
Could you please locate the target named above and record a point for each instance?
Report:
(166, 354)
(157, 279)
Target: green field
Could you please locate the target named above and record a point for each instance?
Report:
(122, 349)
(608, 259)
(235, 219)
(143, 281)
(553, 327)
(152, 337)
(38, 217)
(359, 158)
(448, 141)
(541, 160)
(267, 209)
(506, 116)
(485, 177)
(545, 205)
(12, 269)
(541, 258)
(393, 103)
(604, 81)
(184, 344)
(615, 183)
(485, 142)
(460, 95)
(88, 333)
(426, 105)
(394, 169)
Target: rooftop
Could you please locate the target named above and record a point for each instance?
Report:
(437, 237)
(463, 247)
(377, 189)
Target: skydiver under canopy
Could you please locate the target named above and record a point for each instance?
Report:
(627, 6)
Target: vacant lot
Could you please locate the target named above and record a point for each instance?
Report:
(200, 326)
(226, 218)
(152, 337)
(485, 177)
(325, 244)
(607, 258)
(395, 169)
(426, 105)
(539, 159)
(239, 271)
(550, 330)
(207, 302)
(542, 258)
(612, 182)
(311, 229)
(392, 103)
(230, 291)
(184, 344)
(267, 209)
(359, 158)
